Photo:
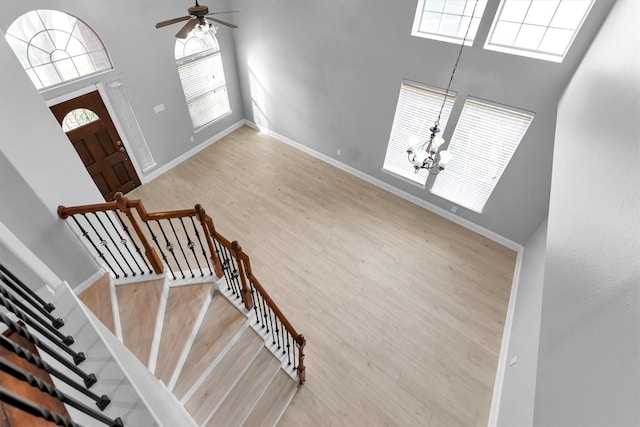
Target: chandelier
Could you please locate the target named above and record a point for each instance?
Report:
(428, 154)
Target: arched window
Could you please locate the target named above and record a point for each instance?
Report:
(54, 47)
(200, 68)
(78, 117)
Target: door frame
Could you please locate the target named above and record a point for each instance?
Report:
(114, 118)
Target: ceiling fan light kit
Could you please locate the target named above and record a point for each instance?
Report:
(198, 19)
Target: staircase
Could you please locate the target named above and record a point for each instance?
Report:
(185, 301)
(203, 345)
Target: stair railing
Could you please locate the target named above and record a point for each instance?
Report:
(171, 234)
(284, 337)
(18, 300)
(172, 239)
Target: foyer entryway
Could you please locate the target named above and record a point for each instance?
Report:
(89, 127)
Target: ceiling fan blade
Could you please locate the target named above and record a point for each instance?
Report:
(221, 22)
(217, 13)
(184, 31)
(171, 21)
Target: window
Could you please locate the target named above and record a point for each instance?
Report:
(542, 29)
(482, 145)
(417, 111)
(447, 20)
(54, 47)
(78, 117)
(200, 68)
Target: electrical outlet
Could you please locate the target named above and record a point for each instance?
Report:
(158, 108)
(454, 209)
(192, 138)
(339, 152)
(513, 361)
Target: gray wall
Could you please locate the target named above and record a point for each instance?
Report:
(144, 61)
(589, 359)
(519, 382)
(36, 175)
(327, 75)
(39, 168)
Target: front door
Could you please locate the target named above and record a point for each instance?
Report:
(90, 129)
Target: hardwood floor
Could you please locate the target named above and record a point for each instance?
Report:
(183, 306)
(138, 305)
(98, 299)
(403, 310)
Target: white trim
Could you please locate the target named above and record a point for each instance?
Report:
(100, 88)
(24, 254)
(164, 168)
(409, 197)
(90, 281)
(192, 337)
(115, 306)
(100, 329)
(157, 331)
(504, 346)
(215, 362)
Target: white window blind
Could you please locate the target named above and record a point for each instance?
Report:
(482, 145)
(204, 89)
(416, 112)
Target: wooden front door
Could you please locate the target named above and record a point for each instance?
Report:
(93, 135)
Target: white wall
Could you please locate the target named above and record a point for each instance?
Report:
(519, 380)
(589, 359)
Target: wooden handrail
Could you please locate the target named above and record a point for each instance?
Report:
(245, 272)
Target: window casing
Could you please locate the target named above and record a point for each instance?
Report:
(482, 145)
(416, 112)
(54, 47)
(541, 29)
(447, 20)
(201, 73)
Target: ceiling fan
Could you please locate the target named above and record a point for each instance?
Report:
(197, 15)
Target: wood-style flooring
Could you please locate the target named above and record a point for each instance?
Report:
(403, 310)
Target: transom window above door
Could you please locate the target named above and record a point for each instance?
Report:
(54, 47)
(78, 117)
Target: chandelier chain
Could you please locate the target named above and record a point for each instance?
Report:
(455, 67)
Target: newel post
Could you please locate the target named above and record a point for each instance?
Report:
(245, 292)
(207, 225)
(149, 251)
(302, 342)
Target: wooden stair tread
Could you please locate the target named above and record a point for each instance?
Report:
(273, 402)
(97, 298)
(224, 375)
(183, 306)
(138, 305)
(14, 417)
(221, 322)
(247, 391)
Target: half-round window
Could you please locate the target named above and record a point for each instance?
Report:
(54, 47)
(78, 117)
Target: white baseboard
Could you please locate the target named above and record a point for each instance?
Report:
(506, 335)
(409, 197)
(504, 345)
(90, 281)
(164, 168)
